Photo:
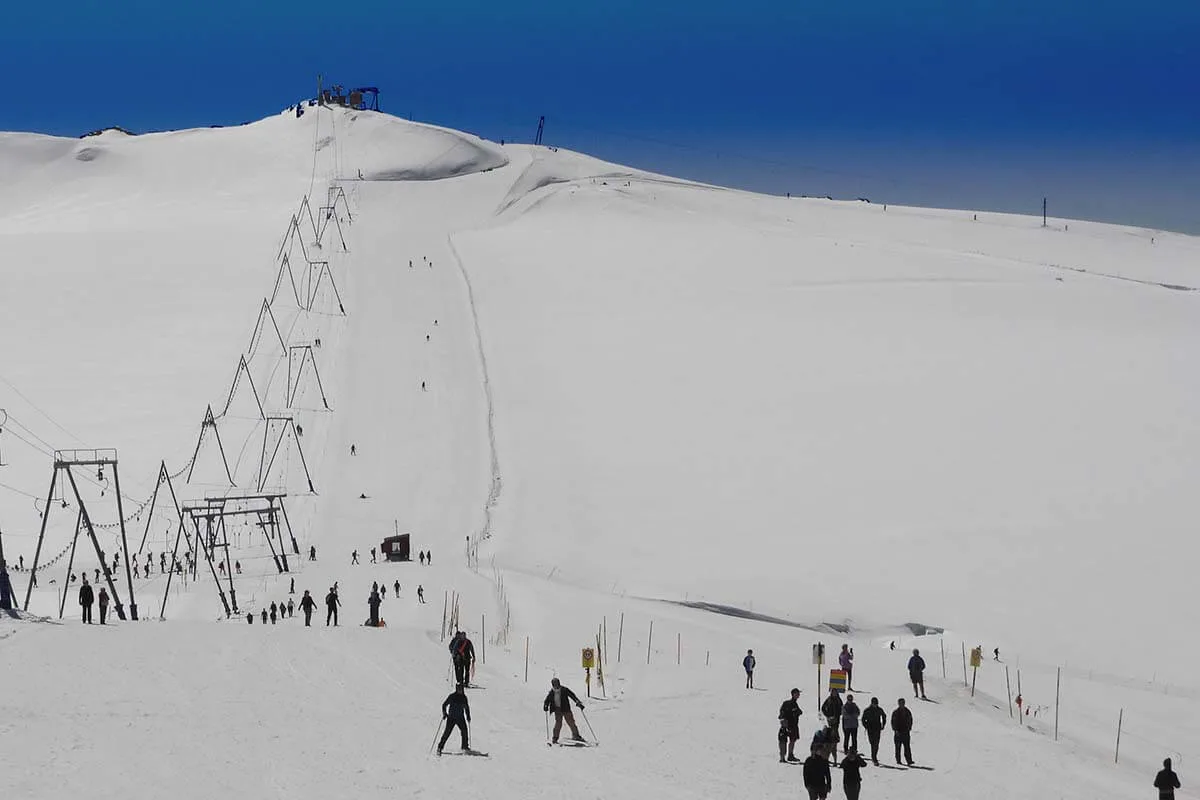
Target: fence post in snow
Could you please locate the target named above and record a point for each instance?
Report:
(649, 639)
(1008, 688)
(483, 635)
(445, 598)
(1117, 752)
(678, 649)
(1057, 687)
(527, 659)
(620, 635)
(942, 642)
(964, 652)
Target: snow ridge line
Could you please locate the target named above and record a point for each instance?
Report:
(485, 532)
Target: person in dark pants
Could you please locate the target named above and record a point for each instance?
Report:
(816, 777)
(274, 611)
(429, 558)
(373, 555)
(103, 604)
(850, 714)
(86, 598)
(916, 674)
(1166, 781)
(789, 727)
(748, 664)
(874, 720)
(396, 586)
(264, 616)
(902, 722)
(559, 700)
(462, 653)
(456, 711)
(307, 605)
(331, 607)
(373, 604)
(852, 766)
(312, 553)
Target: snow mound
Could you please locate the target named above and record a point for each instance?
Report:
(390, 149)
(550, 167)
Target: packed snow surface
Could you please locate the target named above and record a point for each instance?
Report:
(604, 400)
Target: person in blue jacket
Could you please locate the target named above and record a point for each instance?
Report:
(748, 664)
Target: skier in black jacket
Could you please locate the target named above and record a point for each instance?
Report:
(832, 708)
(331, 606)
(559, 700)
(1166, 781)
(456, 711)
(874, 720)
(462, 653)
(789, 727)
(816, 777)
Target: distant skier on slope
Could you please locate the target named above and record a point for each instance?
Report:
(331, 607)
(1166, 781)
(312, 553)
(307, 605)
(462, 653)
(916, 673)
(748, 664)
(789, 727)
(354, 557)
(420, 593)
(397, 588)
(421, 556)
(456, 711)
(558, 700)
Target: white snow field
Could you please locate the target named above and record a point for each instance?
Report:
(597, 395)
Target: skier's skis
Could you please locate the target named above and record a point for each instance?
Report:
(479, 753)
(918, 766)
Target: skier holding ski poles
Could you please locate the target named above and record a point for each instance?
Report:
(456, 712)
(559, 700)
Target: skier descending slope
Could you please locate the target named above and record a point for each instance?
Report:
(456, 711)
(559, 700)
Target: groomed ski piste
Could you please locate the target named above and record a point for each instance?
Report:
(690, 420)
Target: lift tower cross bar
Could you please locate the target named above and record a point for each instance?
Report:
(65, 461)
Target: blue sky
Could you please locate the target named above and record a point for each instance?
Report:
(965, 103)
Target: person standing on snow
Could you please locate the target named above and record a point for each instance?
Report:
(274, 610)
(1166, 781)
(331, 607)
(916, 674)
(373, 604)
(852, 766)
(353, 556)
(902, 722)
(312, 553)
(816, 777)
(103, 604)
(456, 711)
(86, 598)
(559, 700)
(874, 719)
(832, 708)
(291, 607)
(789, 727)
(850, 714)
(846, 662)
(748, 664)
(420, 594)
(462, 653)
(373, 555)
(307, 605)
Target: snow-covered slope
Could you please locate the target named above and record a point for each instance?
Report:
(588, 390)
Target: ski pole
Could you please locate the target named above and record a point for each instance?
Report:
(547, 727)
(435, 734)
(589, 724)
